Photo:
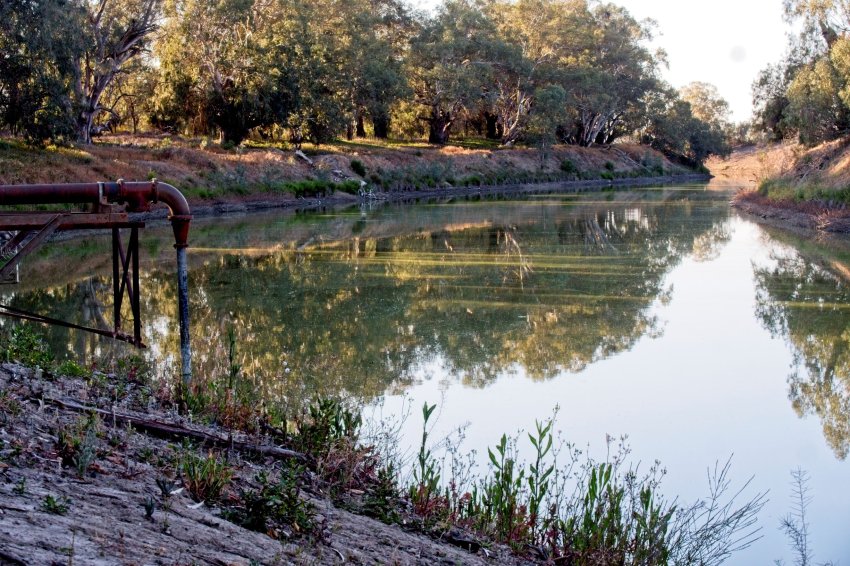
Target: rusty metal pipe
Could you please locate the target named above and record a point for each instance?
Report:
(137, 197)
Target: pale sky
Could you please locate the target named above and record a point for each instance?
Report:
(724, 42)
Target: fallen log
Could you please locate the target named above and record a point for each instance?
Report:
(163, 429)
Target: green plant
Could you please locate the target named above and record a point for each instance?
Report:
(504, 512)
(380, 501)
(76, 444)
(327, 422)
(567, 166)
(28, 347)
(609, 166)
(358, 167)
(71, 368)
(426, 474)
(150, 507)
(20, 487)
(205, 478)
(539, 477)
(86, 453)
(55, 505)
(274, 506)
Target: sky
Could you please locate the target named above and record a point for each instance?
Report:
(724, 42)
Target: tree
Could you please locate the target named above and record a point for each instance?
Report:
(770, 101)
(673, 129)
(450, 67)
(706, 103)
(39, 48)
(118, 31)
(611, 74)
(815, 108)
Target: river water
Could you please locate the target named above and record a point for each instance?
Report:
(660, 314)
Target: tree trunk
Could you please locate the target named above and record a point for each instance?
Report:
(492, 122)
(439, 126)
(381, 123)
(361, 128)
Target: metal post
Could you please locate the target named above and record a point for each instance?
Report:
(183, 307)
(135, 297)
(117, 295)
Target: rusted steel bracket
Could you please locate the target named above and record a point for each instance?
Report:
(109, 206)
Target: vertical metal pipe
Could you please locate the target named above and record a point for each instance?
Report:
(183, 307)
(135, 298)
(116, 289)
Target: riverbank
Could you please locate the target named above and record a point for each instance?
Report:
(138, 483)
(100, 467)
(262, 176)
(793, 187)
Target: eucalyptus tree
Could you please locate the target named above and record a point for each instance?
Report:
(672, 128)
(706, 103)
(370, 38)
(40, 45)
(450, 66)
(116, 31)
(216, 67)
(533, 35)
(608, 74)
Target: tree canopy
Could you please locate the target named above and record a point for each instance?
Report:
(525, 71)
(807, 94)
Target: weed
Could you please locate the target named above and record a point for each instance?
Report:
(205, 478)
(26, 346)
(277, 505)
(567, 166)
(426, 475)
(20, 487)
(327, 421)
(166, 490)
(609, 166)
(358, 167)
(150, 507)
(71, 368)
(145, 454)
(76, 444)
(55, 505)
(381, 501)
(795, 526)
(86, 452)
(9, 405)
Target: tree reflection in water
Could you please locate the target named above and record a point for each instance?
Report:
(358, 304)
(808, 304)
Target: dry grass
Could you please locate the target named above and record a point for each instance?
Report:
(754, 164)
(206, 171)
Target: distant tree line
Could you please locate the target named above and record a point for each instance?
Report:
(807, 94)
(524, 71)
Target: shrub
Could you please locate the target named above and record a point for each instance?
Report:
(276, 505)
(567, 166)
(26, 346)
(358, 167)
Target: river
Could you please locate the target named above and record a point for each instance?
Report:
(659, 314)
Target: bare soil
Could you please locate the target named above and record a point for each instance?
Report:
(105, 521)
(793, 165)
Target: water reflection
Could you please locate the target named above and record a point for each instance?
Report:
(807, 302)
(355, 302)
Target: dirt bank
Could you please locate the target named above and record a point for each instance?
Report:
(116, 512)
(256, 175)
(776, 194)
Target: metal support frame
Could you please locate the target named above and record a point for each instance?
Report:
(110, 202)
(125, 281)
